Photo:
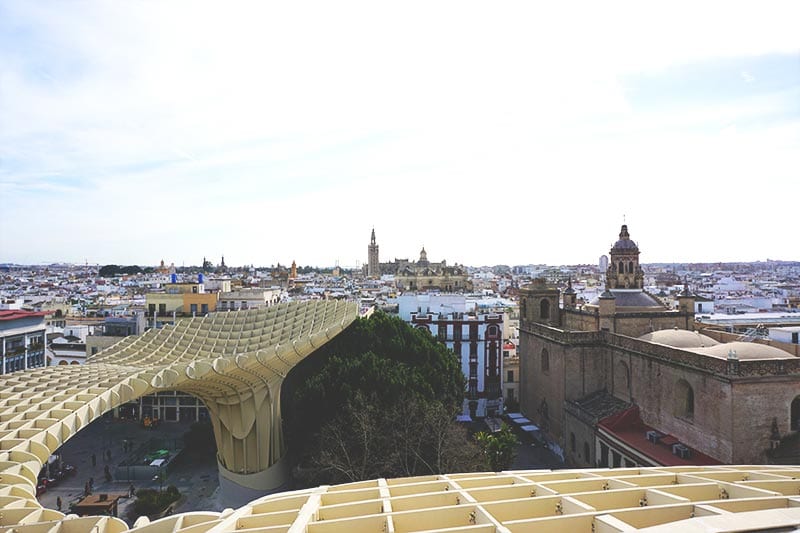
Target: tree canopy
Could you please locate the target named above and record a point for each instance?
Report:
(379, 400)
(499, 448)
(109, 271)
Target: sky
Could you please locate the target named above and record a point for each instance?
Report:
(489, 133)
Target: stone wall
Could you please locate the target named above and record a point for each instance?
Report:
(734, 402)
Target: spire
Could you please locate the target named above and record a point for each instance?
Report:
(685, 291)
(623, 233)
(372, 240)
(569, 290)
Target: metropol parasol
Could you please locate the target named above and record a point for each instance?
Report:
(236, 363)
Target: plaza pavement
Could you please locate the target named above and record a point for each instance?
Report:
(196, 479)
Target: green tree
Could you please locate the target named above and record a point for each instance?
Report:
(379, 400)
(499, 448)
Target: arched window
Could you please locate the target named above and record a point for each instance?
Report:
(424, 328)
(544, 309)
(795, 415)
(492, 330)
(630, 267)
(545, 361)
(684, 399)
(621, 267)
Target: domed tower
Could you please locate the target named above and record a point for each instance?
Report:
(423, 257)
(624, 271)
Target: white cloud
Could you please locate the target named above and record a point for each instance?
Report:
(502, 134)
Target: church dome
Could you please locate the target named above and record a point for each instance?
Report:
(625, 242)
(679, 338)
(744, 350)
(632, 298)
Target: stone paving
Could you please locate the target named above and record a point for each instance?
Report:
(196, 479)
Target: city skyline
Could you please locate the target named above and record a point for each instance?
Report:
(133, 133)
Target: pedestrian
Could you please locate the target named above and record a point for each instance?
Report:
(86, 489)
(58, 503)
(94, 459)
(91, 484)
(131, 491)
(107, 472)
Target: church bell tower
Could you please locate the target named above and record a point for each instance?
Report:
(624, 271)
(373, 264)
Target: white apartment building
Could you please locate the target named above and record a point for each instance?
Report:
(476, 338)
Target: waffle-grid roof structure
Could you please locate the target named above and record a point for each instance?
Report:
(235, 362)
(686, 499)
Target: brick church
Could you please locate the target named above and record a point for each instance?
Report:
(626, 381)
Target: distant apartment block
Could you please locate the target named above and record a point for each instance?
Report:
(477, 340)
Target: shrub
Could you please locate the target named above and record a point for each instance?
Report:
(151, 502)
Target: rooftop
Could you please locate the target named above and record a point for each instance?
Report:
(17, 314)
(628, 427)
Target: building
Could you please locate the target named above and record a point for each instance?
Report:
(789, 335)
(424, 275)
(511, 375)
(67, 350)
(22, 340)
(373, 262)
(248, 299)
(626, 380)
(179, 299)
(113, 330)
(477, 340)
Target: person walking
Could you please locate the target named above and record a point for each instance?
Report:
(58, 503)
(131, 491)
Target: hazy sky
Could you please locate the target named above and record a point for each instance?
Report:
(492, 132)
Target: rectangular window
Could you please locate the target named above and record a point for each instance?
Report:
(510, 376)
(193, 308)
(204, 308)
(94, 350)
(162, 309)
(151, 309)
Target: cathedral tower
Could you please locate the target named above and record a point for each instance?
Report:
(624, 271)
(373, 264)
